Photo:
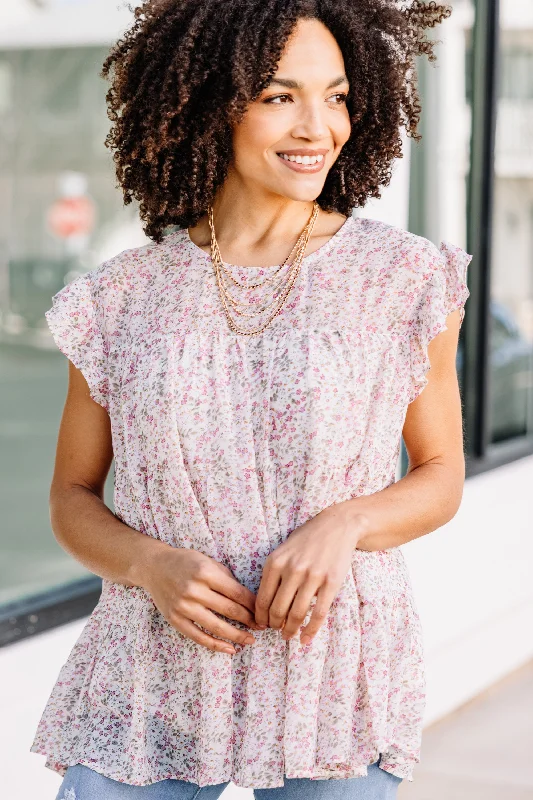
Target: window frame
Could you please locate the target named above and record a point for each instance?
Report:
(49, 609)
(481, 454)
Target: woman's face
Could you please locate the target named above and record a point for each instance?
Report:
(303, 110)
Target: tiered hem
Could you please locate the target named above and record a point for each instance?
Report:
(328, 709)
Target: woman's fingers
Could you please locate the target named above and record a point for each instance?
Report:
(192, 631)
(222, 580)
(270, 581)
(201, 615)
(324, 598)
(286, 594)
(299, 608)
(282, 604)
(229, 608)
(180, 585)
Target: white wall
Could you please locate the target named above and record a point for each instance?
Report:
(472, 580)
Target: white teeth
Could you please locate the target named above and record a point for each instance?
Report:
(303, 159)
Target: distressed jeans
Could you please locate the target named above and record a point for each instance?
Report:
(82, 783)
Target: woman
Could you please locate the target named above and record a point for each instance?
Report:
(252, 372)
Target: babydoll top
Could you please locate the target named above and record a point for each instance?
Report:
(226, 443)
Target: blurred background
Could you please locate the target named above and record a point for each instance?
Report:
(470, 182)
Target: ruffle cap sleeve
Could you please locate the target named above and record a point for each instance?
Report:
(445, 292)
(74, 324)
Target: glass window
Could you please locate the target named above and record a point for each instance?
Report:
(511, 268)
(61, 215)
(440, 162)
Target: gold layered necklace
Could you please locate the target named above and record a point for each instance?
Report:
(281, 289)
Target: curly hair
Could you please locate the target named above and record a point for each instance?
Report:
(185, 72)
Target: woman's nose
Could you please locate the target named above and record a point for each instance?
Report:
(311, 124)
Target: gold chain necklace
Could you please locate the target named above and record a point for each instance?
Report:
(293, 274)
(218, 264)
(268, 279)
(235, 303)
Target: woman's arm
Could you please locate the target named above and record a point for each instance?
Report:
(82, 524)
(430, 493)
(315, 558)
(186, 586)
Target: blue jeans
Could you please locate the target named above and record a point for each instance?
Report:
(82, 783)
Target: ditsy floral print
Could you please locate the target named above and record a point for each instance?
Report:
(226, 443)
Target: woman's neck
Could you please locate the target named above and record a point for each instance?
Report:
(239, 244)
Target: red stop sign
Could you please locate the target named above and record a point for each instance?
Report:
(71, 215)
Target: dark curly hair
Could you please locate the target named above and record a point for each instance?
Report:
(186, 71)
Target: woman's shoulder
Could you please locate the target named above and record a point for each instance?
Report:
(134, 265)
(399, 243)
(111, 294)
(408, 263)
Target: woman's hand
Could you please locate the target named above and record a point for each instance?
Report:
(313, 560)
(187, 586)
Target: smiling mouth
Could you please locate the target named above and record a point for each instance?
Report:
(309, 160)
(304, 164)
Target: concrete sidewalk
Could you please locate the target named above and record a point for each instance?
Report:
(482, 751)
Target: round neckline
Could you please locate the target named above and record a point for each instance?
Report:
(320, 251)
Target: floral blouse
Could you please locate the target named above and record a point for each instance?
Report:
(226, 443)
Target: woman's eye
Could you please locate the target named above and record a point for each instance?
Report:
(281, 96)
(277, 97)
(342, 96)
